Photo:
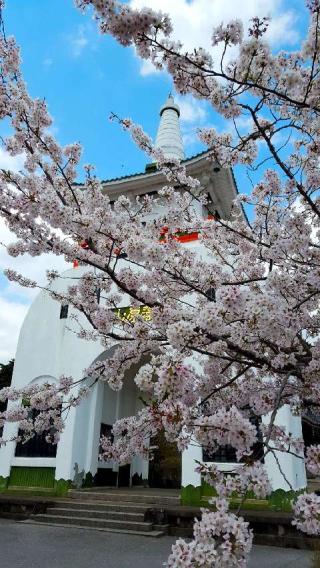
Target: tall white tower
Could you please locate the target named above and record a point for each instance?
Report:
(169, 138)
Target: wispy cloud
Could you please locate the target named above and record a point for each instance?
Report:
(47, 62)
(78, 41)
(84, 37)
(193, 114)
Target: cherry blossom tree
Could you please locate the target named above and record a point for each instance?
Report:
(212, 360)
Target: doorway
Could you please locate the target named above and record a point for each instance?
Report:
(165, 465)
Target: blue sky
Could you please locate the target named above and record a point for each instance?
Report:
(83, 76)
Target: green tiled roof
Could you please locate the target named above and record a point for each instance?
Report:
(143, 172)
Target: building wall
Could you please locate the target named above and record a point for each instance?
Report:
(47, 347)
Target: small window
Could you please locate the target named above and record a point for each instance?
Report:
(98, 294)
(211, 294)
(64, 311)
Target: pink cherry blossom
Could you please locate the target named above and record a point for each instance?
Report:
(211, 366)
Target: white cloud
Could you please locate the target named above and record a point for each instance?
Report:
(12, 315)
(15, 299)
(283, 29)
(31, 267)
(8, 162)
(193, 20)
(191, 110)
(147, 68)
(193, 113)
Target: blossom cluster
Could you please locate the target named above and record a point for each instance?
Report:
(231, 33)
(226, 427)
(244, 479)
(307, 513)
(220, 539)
(313, 459)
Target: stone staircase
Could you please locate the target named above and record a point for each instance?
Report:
(129, 511)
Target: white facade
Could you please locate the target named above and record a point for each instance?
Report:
(49, 348)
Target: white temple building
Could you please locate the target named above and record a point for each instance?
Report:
(48, 348)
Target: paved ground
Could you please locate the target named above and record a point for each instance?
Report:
(32, 546)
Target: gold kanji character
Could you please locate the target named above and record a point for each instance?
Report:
(146, 313)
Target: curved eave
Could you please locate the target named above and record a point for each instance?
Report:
(220, 185)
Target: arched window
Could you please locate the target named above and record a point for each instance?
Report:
(37, 446)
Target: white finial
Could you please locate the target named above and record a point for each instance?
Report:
(169, 138)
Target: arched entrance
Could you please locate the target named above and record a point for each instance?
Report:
(164, 467)
(116, 405)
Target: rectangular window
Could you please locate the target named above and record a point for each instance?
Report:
(105, 430)
(225, 454)
(3, 408)
(64, 311)
(37, 446)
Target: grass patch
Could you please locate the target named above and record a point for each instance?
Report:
(279, 500)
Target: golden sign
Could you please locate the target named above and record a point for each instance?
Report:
(130, 313)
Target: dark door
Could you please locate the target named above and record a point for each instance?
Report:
(124, 476)
(165, 467)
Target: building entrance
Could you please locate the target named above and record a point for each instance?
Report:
(165, 465)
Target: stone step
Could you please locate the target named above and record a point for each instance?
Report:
(125, 497)
(93, 513)
(152, 534)
(93, 522)
(103, 506)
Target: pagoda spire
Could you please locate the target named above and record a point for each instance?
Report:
(169, 138)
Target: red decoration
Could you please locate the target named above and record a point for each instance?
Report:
(187, 238)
